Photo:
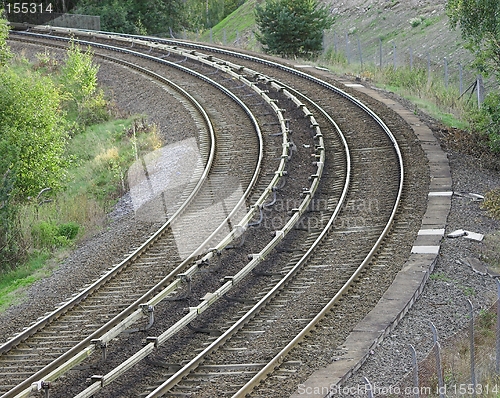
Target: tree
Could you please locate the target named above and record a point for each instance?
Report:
(479, 22)
(5, 53)
(292, 27)
(32, 134)
(137, 16)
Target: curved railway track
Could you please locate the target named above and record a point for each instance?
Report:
(310, 236)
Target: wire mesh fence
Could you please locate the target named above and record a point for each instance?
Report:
(468, 364)
(454, 72)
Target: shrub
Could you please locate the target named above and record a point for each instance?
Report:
(292, 27)
(49, 235)
(487, 120)
(492, 203)
(68, 230)
(93, 110)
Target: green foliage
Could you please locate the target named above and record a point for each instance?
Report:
(292, 27)
(136, 16)
(93, 110)
(479, 22)
(32, 135)
(49, 235)
(79, 73)
(414, 22)
(486, 120)
(79, 82)
(20, 277)
(5, 54)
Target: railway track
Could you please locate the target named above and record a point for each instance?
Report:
(349, 205)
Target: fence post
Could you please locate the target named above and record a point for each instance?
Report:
(428, 67)
(224, 36)
(480, 90)
(335, 42)
(380, 52)
(211, 35)
(437, 348)
(416, 383)
(411, 58)
(472, 354)
(360, 54)
(498, 327)
(460, 78)
(347, 55)
(445, 72)
(394, 54)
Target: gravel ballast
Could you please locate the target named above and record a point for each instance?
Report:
(453, 282)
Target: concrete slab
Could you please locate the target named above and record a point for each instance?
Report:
(428, 240)
(425, 249)
(441, 193)
(435, 231)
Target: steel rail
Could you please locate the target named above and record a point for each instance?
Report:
(110, 274)
(85, 352)
(386, 229)
(335, 299)
(195, 362)
(211, 298)
(235, 233)
(82, 350)
(280, 356)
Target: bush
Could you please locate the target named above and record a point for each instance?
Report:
(487, 120)
(49, 235)
(68, 230)
(93, 110)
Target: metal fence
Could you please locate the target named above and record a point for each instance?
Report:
(389, 54)
(468, 364)
(378, 53)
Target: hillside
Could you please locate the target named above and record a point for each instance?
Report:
(419, 24)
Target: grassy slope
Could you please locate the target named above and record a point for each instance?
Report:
(425, 29)
(239, 27)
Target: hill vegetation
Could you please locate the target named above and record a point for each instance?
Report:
(63, 156)
(157, 16)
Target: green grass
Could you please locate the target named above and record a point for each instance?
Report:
(13, 282)
(440, 276)
(427, 94)
(100, 156)
(240, 22)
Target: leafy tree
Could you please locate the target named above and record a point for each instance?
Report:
(79, 73)
(32, 135)
(479, 22)
(292, 27)
(137, 16)
(5, 53)
(32, 144)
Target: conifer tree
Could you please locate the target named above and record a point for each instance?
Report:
(292, 27)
